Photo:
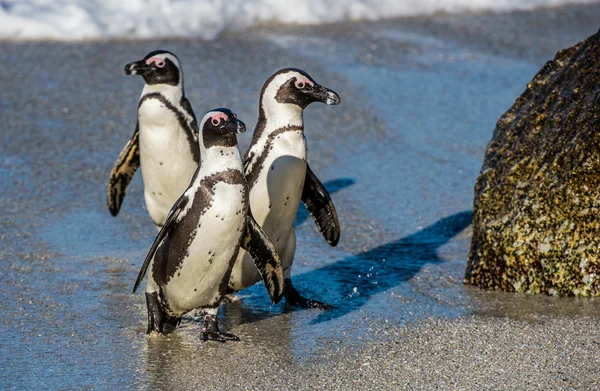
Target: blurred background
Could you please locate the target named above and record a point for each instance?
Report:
(101, 19)
(422, 85)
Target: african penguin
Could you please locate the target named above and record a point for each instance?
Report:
(165, 140)
(279, 177)
(191, 258)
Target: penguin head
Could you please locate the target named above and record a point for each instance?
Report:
(158, 67)
(219, 127)
(296, 87)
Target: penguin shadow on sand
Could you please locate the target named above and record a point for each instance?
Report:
(352, 281)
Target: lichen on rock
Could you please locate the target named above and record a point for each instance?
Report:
(536, 220)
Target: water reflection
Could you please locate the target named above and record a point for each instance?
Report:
(180, 361)
(529, 307)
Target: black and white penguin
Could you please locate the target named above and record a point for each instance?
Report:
(165, 140)
(279, 177)
(191, 259)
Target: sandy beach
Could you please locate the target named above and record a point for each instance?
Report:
(400, 155)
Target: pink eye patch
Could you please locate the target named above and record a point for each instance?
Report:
(216, 119)
(302, 81)
(160, 62)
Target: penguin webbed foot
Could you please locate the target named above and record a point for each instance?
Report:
(293, 298)
(211, 331)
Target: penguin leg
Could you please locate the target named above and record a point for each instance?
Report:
(211, 331)
(155, 315)
(158, 321)
(170, 324)
(292, 296)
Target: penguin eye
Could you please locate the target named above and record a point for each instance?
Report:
(215, 121)
(299, 84)
(234, 115)
(160, 63)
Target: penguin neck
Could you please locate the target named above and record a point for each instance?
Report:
(219, 158)
(274, 115)
(172, 93)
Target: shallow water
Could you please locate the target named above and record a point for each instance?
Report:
(400, 156)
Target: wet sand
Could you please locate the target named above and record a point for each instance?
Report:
(400, 155)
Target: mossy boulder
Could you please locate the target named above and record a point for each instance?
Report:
(536, 218)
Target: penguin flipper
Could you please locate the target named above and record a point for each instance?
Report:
(265, 257)
(173, 214)
(320, 206)
(123, 170)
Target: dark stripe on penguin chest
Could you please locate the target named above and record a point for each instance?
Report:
(174, 248)
(191, 131)
(258, 167)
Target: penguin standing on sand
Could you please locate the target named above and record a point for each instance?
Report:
(165, 140)
(279, 177)
(191, 259)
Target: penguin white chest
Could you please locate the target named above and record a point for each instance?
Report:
(274, 201)
(276, 195)
(166, 158)
(211, 253)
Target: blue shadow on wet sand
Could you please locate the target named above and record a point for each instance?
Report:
(383, 267)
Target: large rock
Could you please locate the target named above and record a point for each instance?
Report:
(536, 222)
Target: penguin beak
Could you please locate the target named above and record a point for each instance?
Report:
(325, 95)
(136, 67)
(235, 126)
